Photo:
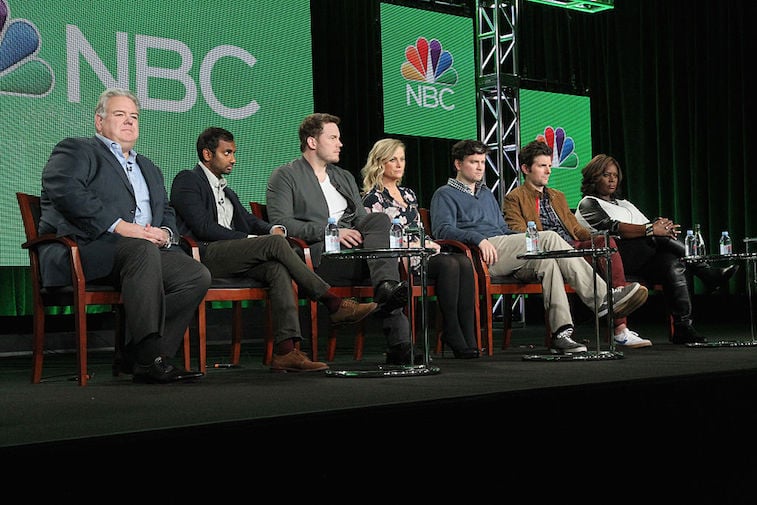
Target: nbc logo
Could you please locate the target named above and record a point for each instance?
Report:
(22, 73)
(428, 64)
(563, 148)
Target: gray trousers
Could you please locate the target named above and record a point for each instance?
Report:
(271, 260)
(161, 289)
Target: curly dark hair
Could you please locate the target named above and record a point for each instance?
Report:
(594, 170)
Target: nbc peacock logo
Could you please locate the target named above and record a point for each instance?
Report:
(22, 72)
(428, 62)
(563, 147)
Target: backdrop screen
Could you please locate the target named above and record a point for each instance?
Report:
(192, 64)
(429, 73)
(564, 122)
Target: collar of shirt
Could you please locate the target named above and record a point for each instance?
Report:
(224, 209)
(115, 148)
(463, 187)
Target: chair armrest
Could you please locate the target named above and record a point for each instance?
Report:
(189, 243)
(78, 280)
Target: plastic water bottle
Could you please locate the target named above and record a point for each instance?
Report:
(332, 236)
(701, 248)
(691, 243)
(726, 247)
(532, 238)
(396, 234)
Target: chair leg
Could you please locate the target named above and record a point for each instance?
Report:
(187, 353)
(202, 358)
(507, 321)
(331, 350)
(268, 352)
(81, 344)
(119, 341)
(38, 345)
(236, 332)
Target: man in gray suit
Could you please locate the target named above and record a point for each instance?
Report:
(113, 202)
(304, 193)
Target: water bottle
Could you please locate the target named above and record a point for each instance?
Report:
(332, 236)
(701, 248)
(725, 244)
(532, 238)
(396, 234)
(691, 243)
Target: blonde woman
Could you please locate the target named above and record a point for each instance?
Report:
(452, 273)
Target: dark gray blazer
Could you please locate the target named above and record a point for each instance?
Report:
(84, 191)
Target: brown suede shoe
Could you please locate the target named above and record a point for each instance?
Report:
(350, 311)
(296, 361)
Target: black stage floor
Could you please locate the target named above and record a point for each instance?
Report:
(668, 420)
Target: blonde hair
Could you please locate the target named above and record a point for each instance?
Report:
(373, 171)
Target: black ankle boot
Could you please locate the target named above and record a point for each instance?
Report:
(684, 333)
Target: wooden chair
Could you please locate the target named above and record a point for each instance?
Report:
(78, 295)
(235, 290)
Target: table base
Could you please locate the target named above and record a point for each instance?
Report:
(387, 371)
(724, 343)
(581, 356)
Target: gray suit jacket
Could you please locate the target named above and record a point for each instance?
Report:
(84, 191)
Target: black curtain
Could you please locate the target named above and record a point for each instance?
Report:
(668, 91)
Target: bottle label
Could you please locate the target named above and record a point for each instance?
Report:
(725, 249)
(332, 243)
(532, 244)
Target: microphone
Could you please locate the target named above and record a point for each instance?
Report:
(128, 166)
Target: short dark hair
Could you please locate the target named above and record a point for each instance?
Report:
(531, 150)
(312, 126)
(465, 148)
(209, 138)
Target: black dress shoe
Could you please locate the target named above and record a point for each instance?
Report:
(162, 372)
(460, 350)
(400, 355)
(391, 295)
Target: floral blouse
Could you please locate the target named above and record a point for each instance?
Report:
(382, 201)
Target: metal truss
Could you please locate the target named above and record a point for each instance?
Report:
(498, 102)
(498, 91)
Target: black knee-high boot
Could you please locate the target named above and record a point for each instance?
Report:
(712, 277)
(678, 299)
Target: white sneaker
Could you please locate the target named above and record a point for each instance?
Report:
(631, 340)
(563, 344)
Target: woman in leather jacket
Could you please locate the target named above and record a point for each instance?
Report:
(649, 248)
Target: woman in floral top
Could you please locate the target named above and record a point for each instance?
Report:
(452, 273)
